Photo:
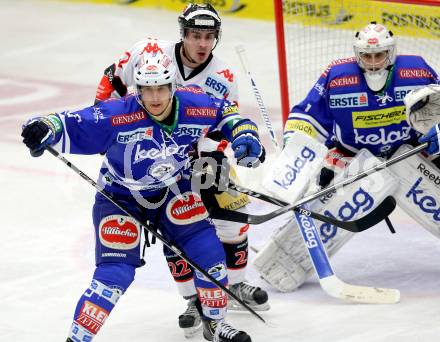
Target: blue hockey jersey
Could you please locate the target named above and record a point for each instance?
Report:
(341, 106)
(140, 153)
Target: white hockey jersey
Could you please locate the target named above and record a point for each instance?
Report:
(213, 76)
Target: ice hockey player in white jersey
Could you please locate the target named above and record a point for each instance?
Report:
(357, 105)
(200, 31)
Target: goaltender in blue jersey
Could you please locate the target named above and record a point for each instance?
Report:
(147, 139)
(357, 109)
(358, 103)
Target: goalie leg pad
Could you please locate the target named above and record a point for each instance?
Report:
(284, 261)
(419, 190)
(281, 261)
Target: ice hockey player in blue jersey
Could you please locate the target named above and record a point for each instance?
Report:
(357, 103)
(146, 139)
(200, 29)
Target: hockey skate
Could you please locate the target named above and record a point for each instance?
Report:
(220, 331)
(253, 296)
(190, 321)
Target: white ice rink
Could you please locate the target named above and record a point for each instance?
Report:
(51, 57)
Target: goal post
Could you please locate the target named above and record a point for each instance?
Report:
(313, 33)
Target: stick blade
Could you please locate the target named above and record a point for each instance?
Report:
(378, 214)
(359, 294)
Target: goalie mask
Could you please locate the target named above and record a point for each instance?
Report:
(375, 51)
(200, 17)
(423, 107)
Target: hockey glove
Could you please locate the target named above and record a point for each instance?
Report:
(246, 144)
(40, 132)
(433, 138)
(335, 162)
(210, 159)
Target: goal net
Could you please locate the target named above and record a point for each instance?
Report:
(319, 31)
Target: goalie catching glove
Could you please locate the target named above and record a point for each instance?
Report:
(423, 114)
(246, 144)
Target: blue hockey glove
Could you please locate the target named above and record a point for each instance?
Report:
(433, 138)
(40, 132)
(246, 144)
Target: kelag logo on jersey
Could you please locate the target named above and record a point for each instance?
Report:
(382, 137)
(348, 100)
(192, 130)
(156, 153)
(217, 86)
(143, 133)
(400, 92)
(361, 200)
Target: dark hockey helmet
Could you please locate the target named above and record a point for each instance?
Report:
(200, 17)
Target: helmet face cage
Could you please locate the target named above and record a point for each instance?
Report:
(375, 38)
(154, 69)
(200, 17)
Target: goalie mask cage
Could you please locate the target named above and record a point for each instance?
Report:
(312, 33)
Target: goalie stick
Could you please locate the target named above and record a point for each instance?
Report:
(329, 282)
(378, 214)
(258, 219)
(151, 230)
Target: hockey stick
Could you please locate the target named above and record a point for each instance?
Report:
(148, 227)
(263, 111)
(258, 219)
(378, 214)
(329, 282)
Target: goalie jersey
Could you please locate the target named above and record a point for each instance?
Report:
(341, 107)
(140, 153)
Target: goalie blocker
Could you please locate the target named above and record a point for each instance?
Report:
(284, 262)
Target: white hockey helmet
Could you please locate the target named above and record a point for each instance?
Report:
(375, 39)
(154, 69)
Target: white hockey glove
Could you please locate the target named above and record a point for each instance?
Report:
(423, 108)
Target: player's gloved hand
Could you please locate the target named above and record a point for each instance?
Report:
(38, 133)
(209, 158)
(221, 172)
(335, 162)
(433, 138)
(246, 144)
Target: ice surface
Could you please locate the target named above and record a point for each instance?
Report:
(52, 56)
